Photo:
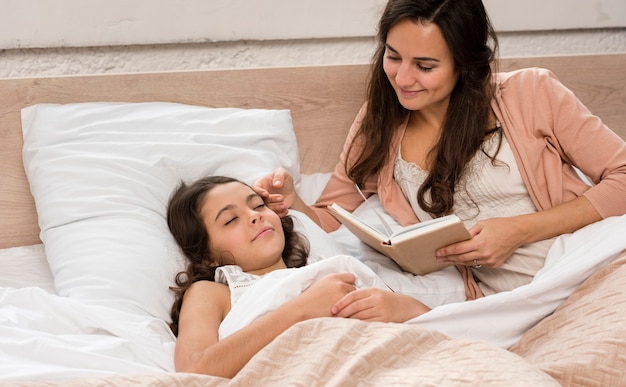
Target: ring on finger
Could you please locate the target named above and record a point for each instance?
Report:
(477, 265)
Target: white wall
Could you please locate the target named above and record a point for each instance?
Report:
(81, 23)
(55, 37)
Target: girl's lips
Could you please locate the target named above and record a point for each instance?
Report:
(264, 231)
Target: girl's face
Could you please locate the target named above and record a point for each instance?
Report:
(242, 230)
(419, 65)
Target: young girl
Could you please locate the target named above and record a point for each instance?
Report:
(225, 230)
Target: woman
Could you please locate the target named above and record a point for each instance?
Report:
(498, 150)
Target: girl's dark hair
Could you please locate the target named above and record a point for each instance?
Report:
(187, 226)
(471, 38)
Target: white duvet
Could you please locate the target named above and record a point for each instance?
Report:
(279, 286)
(500, 319)
(46, 337)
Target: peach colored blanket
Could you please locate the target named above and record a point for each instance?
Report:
(583, 343)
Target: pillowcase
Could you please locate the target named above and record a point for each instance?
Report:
(101, 175)
(322, 245)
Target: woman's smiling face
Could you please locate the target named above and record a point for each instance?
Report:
(419, 65)
(242, 230)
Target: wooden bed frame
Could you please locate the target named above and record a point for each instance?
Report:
(323, 101)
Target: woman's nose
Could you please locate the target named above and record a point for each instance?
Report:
(404, 76)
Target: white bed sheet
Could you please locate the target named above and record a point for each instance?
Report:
(47, 337)
(25, 266)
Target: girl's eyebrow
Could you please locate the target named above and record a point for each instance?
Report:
(419, 58)
(220, 212)
(230, 206)
(251, 196)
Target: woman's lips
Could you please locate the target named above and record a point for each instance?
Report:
(409, 93)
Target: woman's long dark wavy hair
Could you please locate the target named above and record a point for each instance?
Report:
(187, 226)
(472, 40)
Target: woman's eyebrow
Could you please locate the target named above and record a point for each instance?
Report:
(418, 58)
(391, 48)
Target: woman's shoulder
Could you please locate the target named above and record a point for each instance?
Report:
(529, 86)
(525, 77)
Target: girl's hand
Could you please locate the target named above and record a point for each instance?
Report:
(493, 241)
(318, 299)
(277, 190)
(373, 304)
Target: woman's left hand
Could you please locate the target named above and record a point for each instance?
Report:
(493, 241)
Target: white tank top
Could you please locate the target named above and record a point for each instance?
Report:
(487, 190)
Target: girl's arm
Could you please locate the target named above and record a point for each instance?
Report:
(206, 303)
(373, 304)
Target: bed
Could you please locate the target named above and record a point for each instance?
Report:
(85, 259)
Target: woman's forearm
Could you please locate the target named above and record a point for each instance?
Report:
(300, 205)
(562, 219)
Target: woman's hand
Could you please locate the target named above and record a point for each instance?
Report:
(493, 241)
(373, 304)
(277, 190)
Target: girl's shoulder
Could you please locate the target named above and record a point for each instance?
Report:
(206, 302)
(207, 289)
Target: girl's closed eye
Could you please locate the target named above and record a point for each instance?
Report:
(257, 203)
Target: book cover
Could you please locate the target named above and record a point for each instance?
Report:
(413, 247)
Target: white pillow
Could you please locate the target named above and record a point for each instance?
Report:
(101, 175)
(322, 245)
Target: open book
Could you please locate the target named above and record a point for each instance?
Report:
(413, 247)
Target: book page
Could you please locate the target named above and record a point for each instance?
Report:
(432, 224)
(351, 221)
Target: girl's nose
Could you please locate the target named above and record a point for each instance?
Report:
(255, 216)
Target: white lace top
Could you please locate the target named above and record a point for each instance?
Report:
(487, 190)
(237, 280)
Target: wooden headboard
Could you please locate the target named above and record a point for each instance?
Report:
(323, 101)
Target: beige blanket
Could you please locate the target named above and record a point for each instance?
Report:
(337, 352)
(582, 344)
